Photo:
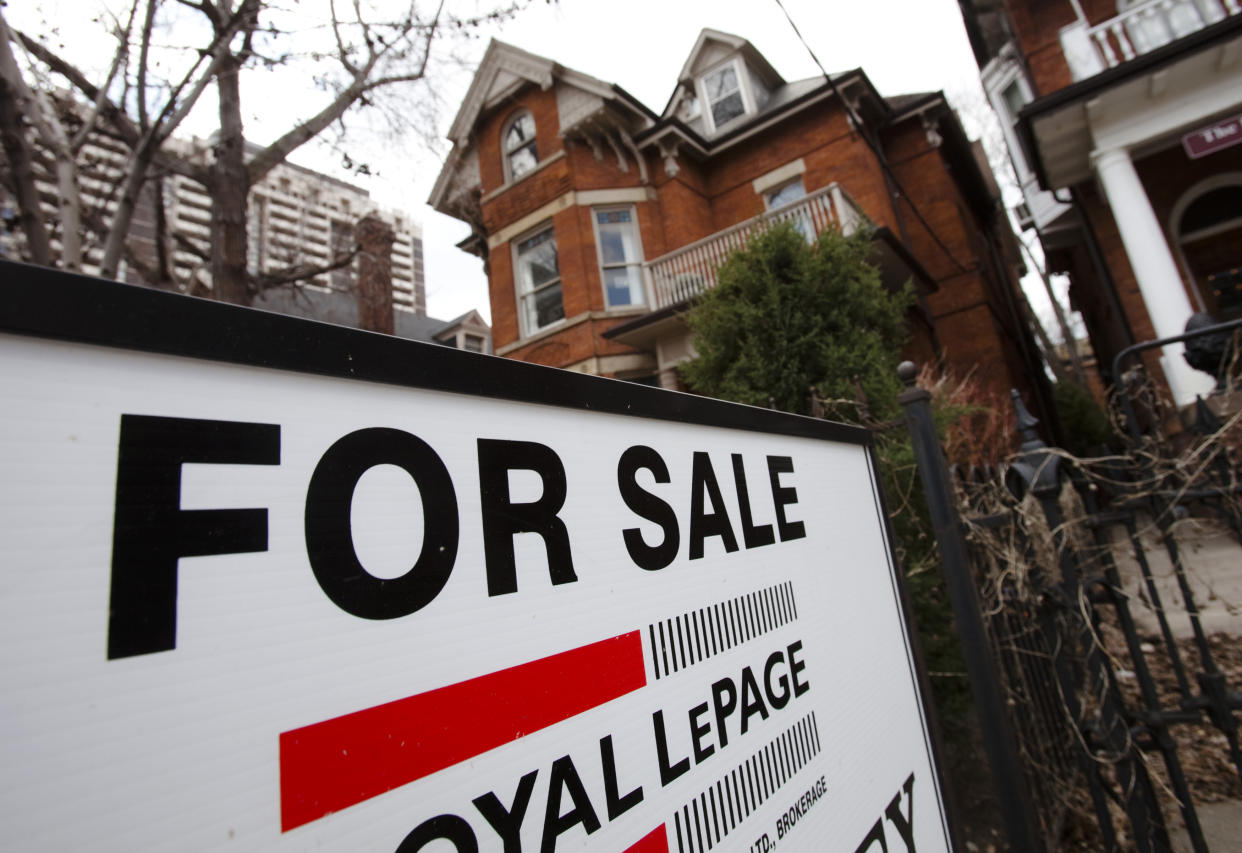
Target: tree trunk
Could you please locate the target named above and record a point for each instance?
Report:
(230, 189)
(18, 151)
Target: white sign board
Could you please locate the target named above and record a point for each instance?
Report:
(273, 585)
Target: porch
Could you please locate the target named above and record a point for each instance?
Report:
(684, 273)
(672, 281)
(1138, 30)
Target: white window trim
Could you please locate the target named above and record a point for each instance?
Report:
(1173, 226)
(504, 146)
(779, 177)
(599, 253)
(995, 82)
(523, 327)
(743, 86)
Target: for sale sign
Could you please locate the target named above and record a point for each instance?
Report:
(276, 585)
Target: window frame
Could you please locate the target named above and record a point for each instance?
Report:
(997, 83)
(524, 324)
(1178, 239)
(771, 193)
(637, 263)
(507, 153)
(743, 88)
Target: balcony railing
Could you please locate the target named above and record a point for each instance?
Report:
(690, 270)
(1140, 29)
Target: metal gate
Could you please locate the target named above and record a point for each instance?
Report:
(1061, 644)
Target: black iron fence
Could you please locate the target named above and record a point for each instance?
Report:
(1062, 650)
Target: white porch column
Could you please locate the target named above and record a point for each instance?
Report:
(1158, 278)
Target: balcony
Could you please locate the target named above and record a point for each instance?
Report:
(686, 272)
(1140, 29)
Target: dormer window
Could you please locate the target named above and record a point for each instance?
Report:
(519, 143)
(723, 90)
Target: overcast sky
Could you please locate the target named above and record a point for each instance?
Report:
(903, 45)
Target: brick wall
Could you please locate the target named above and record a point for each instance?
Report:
(542, 107)
(702, 199)
(1037, 25)
(973, 308)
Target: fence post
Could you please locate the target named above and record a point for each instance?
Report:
(998, 737)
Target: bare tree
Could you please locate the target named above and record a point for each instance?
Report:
(351, 55)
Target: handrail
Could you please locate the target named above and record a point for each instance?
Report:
(1133, 349)
(1138, 30)
(687, 271)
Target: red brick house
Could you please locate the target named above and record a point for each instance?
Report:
(600, 219)
(1124, 123)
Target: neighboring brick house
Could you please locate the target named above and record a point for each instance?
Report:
(599, 220)
(1123, 120)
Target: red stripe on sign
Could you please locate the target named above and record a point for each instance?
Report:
(654, 842)
(340, 762)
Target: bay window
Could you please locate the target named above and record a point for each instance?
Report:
(620, 256)
(539, 282)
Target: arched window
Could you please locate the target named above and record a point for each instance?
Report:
(519, 146)
(1209, 239)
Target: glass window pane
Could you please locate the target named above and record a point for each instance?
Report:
(790, 192)
(546, 306)
(537, 261)
(1015, 100)
(721, 83)
(520, 132)
(616, 244)
(727, 108)
(522, 161)
(623, 286)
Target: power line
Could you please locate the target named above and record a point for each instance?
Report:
(856, 120)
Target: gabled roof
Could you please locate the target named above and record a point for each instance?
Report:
(470, 318)
(503, 71)
(506, 68)
(754, 59)
(339, 308)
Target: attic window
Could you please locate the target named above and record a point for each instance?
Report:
(520, 155)
(723, 88)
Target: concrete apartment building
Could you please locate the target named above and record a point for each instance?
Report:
(296, 216)
(599, 219)
(1123, 119)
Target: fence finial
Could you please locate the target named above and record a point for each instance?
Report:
(1026, 422)
(907, 373)
(1037, 468)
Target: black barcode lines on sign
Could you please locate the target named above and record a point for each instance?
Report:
(681, 641)
(708, 817)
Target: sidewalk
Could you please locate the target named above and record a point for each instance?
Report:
(1213, 561)
(1222, 828)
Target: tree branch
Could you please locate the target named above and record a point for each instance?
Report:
(301, 272)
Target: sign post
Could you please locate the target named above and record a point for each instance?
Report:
(273, 585)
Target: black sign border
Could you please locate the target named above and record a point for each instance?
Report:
(51, 303)
(58, 305)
